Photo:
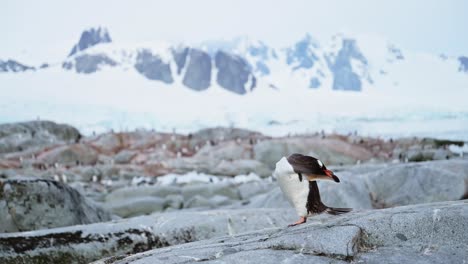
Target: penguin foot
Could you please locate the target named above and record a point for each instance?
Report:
(301, 220)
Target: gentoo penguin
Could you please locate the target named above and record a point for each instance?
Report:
(297, 176)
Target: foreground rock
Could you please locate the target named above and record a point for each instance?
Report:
(31, 204)
(85, 243)
(426, 233)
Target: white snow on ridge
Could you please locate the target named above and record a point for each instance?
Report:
(421, 95)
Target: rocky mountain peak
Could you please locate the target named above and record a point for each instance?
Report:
(91, 37)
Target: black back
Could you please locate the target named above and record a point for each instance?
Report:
(306, 164)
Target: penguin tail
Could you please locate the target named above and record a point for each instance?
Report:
(338, 211)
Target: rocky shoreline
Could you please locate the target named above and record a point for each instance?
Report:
(65, 197)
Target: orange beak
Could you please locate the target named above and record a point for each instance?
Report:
(330, 174)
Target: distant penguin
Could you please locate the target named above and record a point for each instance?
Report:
(297, 176)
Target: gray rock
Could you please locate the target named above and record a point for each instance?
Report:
(426, 233)
(413, 183)
(225, 133)
(14, 66)
(198, 74)
(351, 192)
(237, 167)
(22, 136)
(251, 189)
(152, 67)
(215, 201)
(126, 193)
(91, 38)
(85, 243)
(35, 204)
(136, 206)
(415, 155)
(442, 154)
(210, 190)
(124, 156)
(69, 155)
(225, 151)
(233, 72)
(88, 63)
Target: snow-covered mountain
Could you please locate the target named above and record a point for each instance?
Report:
(309, 85)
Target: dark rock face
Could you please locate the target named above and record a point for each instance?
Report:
(463, 64)
(37, 204)
(198, 74)
(301, 54)
(397, 54)
(21, 136)
(13, 66)
(88, 63)
(233, 72)
(152, 67)
(91, 38)
(314, 83)
(180, 57)
(343, 76)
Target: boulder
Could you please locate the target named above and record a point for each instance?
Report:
(427, 233)
(34, 134)
(412, 184)
(85, 243)
(31, 204)
(69, 155)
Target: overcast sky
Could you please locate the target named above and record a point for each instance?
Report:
(46, 30)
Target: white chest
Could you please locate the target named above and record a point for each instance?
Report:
(295, 192)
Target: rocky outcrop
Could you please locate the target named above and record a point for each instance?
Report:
(233, 73)
(31, 204)
(198, 73)
(431, 233)
(22, 136)
(463, 64)
(88, 63)
(153, 67)
(302, 55)
(13, 66)
(85, 243)
(344, 78)
(180, 57)
(91, 38)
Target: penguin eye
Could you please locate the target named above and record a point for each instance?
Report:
(320, 163)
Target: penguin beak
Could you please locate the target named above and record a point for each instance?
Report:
(330, 174)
